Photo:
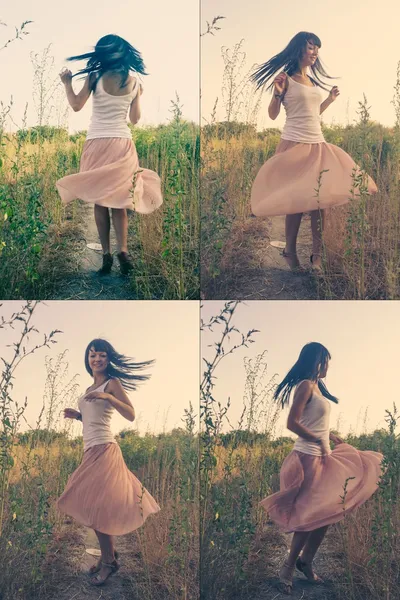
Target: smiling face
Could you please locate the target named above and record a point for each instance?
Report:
(310, 54)
(98, 361)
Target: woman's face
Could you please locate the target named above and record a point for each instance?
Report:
(310, 55)
(98, 361)
(323, 369)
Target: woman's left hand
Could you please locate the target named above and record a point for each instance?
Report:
(334, 93)
(91, 396)
(335, 439)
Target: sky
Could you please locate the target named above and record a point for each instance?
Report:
(165, 331)
(360, 44)
(362, 337)
(167, 35)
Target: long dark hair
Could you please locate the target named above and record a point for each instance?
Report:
(120, 367)
(312, 357)
(111, 53)
(289, 61)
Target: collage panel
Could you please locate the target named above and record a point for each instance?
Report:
(300, 450)
(300, 151)
(99, 151)
(99, 450)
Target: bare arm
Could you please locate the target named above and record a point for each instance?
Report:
(76, 101)
(301, 397)
(134, 111)
(333, 94)
(118, 398)
(280, 87)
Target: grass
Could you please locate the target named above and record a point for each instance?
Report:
(40, 239)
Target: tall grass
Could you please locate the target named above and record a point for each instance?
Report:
(162, 562)
(240, 464)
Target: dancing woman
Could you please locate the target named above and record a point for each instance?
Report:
(110, 177)
(303, 162)
(102, 493)
(312, 477)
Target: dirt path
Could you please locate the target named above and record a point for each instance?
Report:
(70, 580)
(255, 270)
(275, 546)
(84, 283)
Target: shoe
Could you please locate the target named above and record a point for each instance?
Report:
(107, 264)
(286, 579)
(292, 261)
(96, 568)
(125, 263)
(318, 270)
(97, 580)
(307, 570)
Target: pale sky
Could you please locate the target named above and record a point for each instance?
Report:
(362, 337)
(166, 33)
(165, 331)
(360, 44)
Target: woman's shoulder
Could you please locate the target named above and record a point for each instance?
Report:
(305, 384)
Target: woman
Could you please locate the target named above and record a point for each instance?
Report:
(102, 493)
(109, 175)
(312, 477)
(306, 174)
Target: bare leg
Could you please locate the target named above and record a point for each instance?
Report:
(292, 226)
(317, 229)
(311, 546)
(120, 222)
(286, 573)
(102, 218)
(107, 554)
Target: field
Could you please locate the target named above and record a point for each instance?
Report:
(43, 550)
(361, 239)
(241, 550)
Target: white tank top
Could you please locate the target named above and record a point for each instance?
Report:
(303, 121)
(109, 114)
(316, 418)
(96, 417)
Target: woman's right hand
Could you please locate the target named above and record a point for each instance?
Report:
(280, 83)
(325, 449)
(70, 413)
(66, 76)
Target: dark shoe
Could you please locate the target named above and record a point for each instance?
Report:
(107, 264)
(125, 263)
(100, 580)
(96, 568)
(307, 570)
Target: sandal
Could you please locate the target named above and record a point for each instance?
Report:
(125, 263)
(107, 264)
(97, 580)
(286, 579)
(96, 568)
(318, 270)
(292, 260)
(307, 570)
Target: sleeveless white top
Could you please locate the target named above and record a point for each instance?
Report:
(316, 418)
(96, 417)
(302, 105)
(109, 114)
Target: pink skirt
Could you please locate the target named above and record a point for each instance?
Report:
(286, 183)
(311, 486)
(104, 495)
(110, 176)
